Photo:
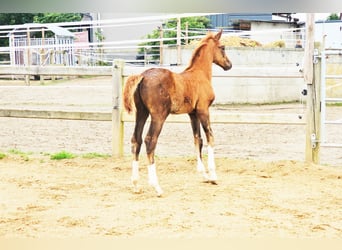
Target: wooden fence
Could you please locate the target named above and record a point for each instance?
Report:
(119, 71)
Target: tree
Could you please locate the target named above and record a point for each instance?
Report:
(21, 18)
(333, 16)
(12, 19)
(16, 18)
(199, 22)
(57, 17)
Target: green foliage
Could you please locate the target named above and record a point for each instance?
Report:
(95, 155)
(199, 22)
(56, 17)
(12, 19)
(62, 155)
(21, 18)
(16, 18)
(22, 154)
(2, 155)
(333, 16)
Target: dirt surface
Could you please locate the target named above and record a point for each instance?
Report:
(93, 198)
(265, 188)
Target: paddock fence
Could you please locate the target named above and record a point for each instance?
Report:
(120, 71)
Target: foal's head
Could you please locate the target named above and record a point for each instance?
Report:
(220, 57)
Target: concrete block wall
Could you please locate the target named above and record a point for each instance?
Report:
(253, 90)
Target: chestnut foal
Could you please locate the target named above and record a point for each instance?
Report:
(159, 92)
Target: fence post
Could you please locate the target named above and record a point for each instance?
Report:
(27, 55)
(312, 77)
(117, 123)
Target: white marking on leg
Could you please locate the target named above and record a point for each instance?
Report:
(211, 164)
(201, 168)
(153, 179)
(135, 176)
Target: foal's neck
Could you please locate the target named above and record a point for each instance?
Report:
(201, 62)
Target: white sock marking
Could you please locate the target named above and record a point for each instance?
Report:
(153, 179)
(201, 168)
(211, 164)
(135, 170)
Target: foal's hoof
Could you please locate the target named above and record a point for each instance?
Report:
(159, 192)
(213, 182)
(137, 190)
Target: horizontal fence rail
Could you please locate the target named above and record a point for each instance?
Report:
(52, 114)
(218, 118)
(238, 72)
(56, 70)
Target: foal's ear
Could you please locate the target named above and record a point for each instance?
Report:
(218, 35)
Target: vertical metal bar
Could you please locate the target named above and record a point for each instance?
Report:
(323, 92)
(179, 52)
(161, 46)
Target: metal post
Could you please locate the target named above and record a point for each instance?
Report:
(323, 91)
(179, 52)
(42, 55)
(186, 33)
(28, 55)
(161, 35)
(117, 123)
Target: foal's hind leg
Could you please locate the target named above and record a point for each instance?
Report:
(136, 141)
(196, 129)
(151, 143)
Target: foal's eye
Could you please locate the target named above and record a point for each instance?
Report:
(222, 47)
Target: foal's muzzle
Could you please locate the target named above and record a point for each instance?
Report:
(227, 66)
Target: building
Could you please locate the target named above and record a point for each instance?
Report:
(273, 30)
(332, 30)
(58, 41)
(227, 20)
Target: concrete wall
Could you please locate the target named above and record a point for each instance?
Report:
(253, 90)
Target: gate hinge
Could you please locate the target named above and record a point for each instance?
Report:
(314, 141)
(316, 55)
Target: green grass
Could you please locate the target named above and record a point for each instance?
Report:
(2, 155)
(62, 155)
(95, 155)
(23, 155)
(56, 156)
(336, 104)
(17, 152)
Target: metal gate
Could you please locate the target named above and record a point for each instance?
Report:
(325, 100)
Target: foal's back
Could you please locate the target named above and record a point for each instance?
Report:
(163, 91)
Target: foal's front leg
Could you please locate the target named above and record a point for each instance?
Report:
(205, 121)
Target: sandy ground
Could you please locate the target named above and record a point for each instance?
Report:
(265, 188)
(93, 198)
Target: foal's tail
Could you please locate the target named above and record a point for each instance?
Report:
(129, 89)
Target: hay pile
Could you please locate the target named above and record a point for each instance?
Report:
(235, 41)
